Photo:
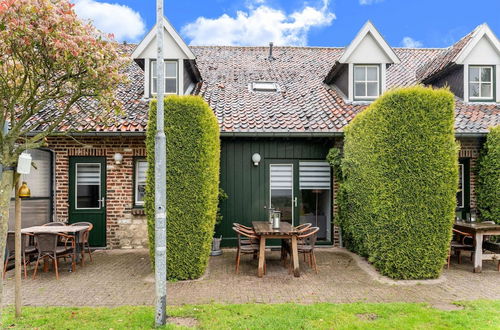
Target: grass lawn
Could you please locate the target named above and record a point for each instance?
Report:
(477, 315)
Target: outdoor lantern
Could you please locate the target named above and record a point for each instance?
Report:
(24, 191)
(118, 158)
(24, 163)
(256, 159)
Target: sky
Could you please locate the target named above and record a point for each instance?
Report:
(330, 23)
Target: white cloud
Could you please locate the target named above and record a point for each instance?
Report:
(411, 43)
(369, 2)
(122, 21)
(259, 24)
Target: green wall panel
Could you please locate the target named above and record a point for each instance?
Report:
(245, 184)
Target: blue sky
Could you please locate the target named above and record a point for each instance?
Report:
(421, 23)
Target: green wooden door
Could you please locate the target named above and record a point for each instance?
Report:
(87, 195)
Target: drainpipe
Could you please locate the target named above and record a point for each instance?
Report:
(160, 178)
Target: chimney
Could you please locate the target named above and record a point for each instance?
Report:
(271, 58)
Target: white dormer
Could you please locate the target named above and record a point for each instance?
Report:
(181, 73)
(481, 61)
(367, 58)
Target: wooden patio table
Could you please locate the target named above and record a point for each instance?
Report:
(478, 230)
(265, 230)
(60, 229)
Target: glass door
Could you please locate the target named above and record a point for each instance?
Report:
(281, 190)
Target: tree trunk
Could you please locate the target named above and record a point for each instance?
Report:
(6, 186)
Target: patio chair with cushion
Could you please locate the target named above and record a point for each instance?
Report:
(286, 242)
(48, 248)
(245, 240)
(83, 239)
(460, 242)
(26, 252)
(251, 245)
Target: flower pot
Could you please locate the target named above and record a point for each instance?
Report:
(216, 251)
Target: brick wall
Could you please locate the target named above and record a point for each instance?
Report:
(119, 183)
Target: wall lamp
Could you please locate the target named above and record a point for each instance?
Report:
(118, 157)
(256, 159)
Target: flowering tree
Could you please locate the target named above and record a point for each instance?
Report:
(49, 61)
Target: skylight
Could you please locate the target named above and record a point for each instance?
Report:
(264, 86)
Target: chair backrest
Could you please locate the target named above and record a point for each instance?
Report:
(309, 236)
(46, 243)
(239, 225)
(83, 236)
(303, 227)
(54, 224)
(242, 232)
(489, 222)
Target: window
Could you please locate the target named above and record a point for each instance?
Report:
(366, 82)
(481, 84)
(461, 186)
(262, 86)
(141, 167)
(170, 77)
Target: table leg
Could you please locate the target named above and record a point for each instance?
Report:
(262, 256)
(295, 257)
(478, 253)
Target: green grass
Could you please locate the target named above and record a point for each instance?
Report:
(478, 315)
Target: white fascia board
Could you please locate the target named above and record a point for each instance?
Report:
(482, 30)
(369, 28)
(152, 35)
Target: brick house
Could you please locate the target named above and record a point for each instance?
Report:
(287, 104)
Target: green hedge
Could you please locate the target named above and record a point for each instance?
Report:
(193, 156)
(488, 179)
(400, 180)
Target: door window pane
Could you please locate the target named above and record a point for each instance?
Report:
(315, 196)
(281, 182)
(140, 181)
(88, 186)
(460, 192)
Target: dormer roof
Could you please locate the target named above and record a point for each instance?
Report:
(148, 43)
(368, 36)
(457, 53)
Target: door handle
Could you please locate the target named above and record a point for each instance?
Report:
(101, 202)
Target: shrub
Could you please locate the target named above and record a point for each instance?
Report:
(488, 179)
(400, 179)
(193, 156)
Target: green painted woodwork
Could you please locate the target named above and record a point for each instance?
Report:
(96, 216)
(463, 211)
(247, 186)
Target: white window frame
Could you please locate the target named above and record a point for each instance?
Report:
(76, 187)
(481, 82)
(136, 181)
(366, 81)
(151, 80)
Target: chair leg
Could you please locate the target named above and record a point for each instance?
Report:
(36, 267)
(25, 266)
(238, 257)
(55, 267)
(5, 268)
(459, 255)
(313, 256)
(90, 253)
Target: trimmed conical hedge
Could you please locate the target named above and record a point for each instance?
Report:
(401, 173)
(193, 156)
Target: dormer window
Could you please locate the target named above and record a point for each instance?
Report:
(366, 82)
(481, 83)
(171, 73)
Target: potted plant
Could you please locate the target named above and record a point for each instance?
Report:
(216, 250)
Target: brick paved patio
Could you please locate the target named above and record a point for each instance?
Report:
(123, 277)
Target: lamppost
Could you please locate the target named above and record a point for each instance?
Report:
(160, 175)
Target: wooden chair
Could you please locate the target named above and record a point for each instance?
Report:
(48, 248)
(252, 247)
(54, 224)
(303, 227)
(459, 244)
(26, 252)
(83, 239)
(306, 246)
(245, 240)
(489, 238)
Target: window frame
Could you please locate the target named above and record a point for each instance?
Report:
(151, 77)
(366, 81)
(464, 167)
(492, 82)
(137, 160)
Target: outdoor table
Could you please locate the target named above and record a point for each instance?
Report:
(265, 230)
(73, 230)
(478, 231)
